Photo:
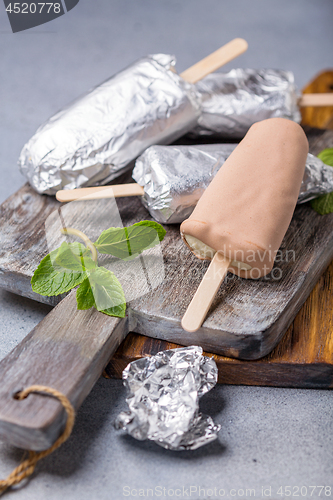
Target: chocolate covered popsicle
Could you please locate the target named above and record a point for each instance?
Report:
(243, 215)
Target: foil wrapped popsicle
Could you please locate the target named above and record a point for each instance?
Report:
(171, 179)
(175, 177)
(232, 102)
(95, 139)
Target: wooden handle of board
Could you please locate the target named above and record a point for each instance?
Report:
(316, 100)
(96, 193)
(204, 296)
(63, 352)
(214, 61)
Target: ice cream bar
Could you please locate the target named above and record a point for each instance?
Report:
(242, 217)
(94, 139)
(233, 101)
(171, 179)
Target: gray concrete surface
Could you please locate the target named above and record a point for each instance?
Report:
(270, 437)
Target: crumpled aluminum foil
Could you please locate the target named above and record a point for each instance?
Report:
(93, 140)
(232, 102)
(175, 177)
(163, 398)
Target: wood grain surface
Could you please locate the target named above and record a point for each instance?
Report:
(64, 355)
(69, 348)
(303, 358)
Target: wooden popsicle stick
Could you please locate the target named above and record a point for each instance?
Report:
(204, 296)
(320, 99)
(96, 193)
(214, 61)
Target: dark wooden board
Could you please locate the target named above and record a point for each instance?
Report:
(65, 355)
(303, 358)
(247, 319)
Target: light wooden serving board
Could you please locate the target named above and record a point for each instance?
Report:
(69, 348)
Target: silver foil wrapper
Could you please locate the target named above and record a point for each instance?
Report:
(163, 399)
(93, 140)
(175, 177)
(232, 102)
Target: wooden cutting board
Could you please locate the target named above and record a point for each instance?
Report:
(69, 348)
(303, 358)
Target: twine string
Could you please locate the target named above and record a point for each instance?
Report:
(27, 466)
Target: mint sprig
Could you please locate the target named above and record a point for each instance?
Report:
(324, 204)
(74, 264)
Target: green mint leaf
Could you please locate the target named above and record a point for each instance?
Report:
(150, 223)
(129, 242)
(113, 241)
(324, 204)
(118, 311)
(106, 288)
(74, 256)
(326, 156)
(78, 248)
(50, 279)
(103, 291)
(140, 238)
(84, 295)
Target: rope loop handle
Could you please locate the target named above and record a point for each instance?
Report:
(27, 467)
